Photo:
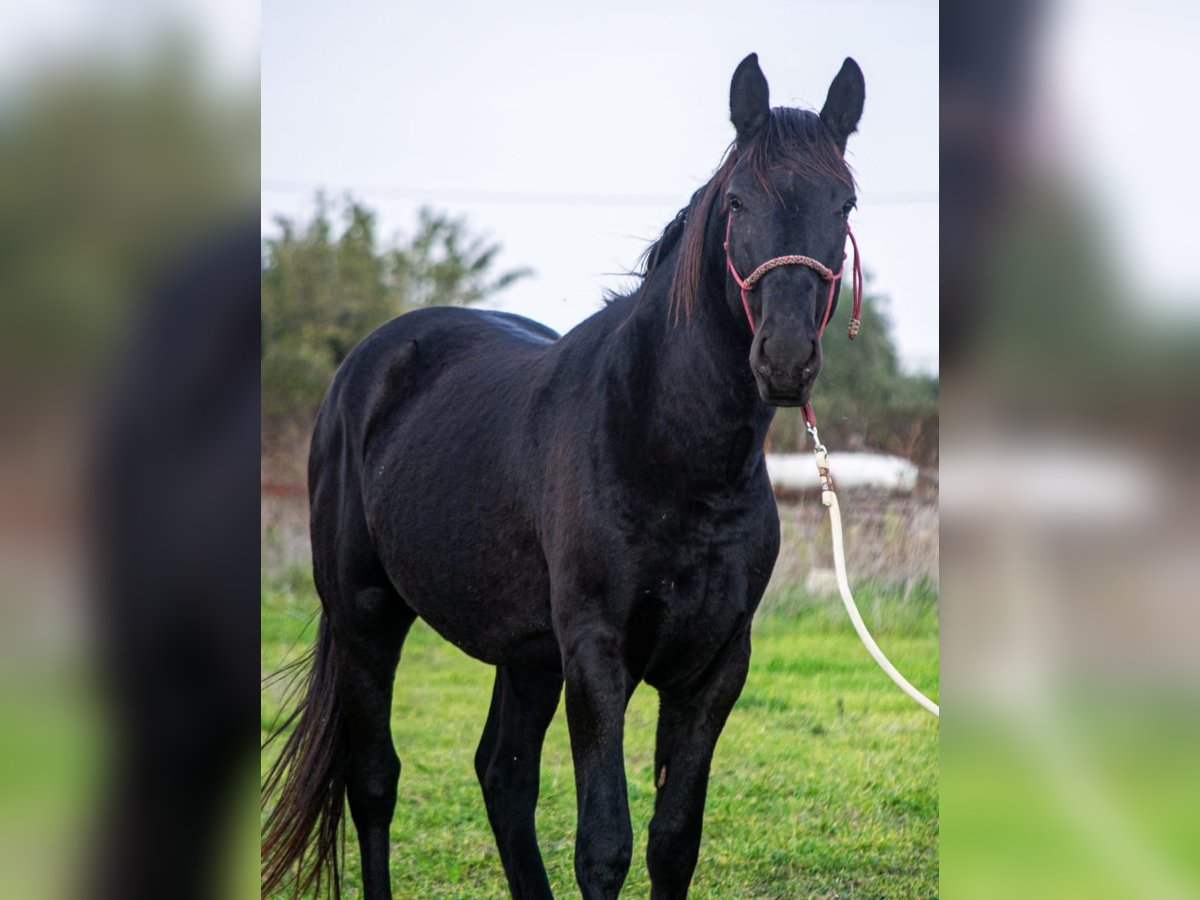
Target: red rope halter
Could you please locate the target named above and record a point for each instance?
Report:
(821, 269)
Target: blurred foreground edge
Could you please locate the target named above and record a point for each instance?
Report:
(1069, 477)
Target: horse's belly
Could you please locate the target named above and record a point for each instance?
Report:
(500, 626)
(480, 583)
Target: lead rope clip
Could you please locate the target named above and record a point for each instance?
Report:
(822, 456)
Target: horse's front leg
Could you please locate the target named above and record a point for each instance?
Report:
(597, 690)
(689, 722)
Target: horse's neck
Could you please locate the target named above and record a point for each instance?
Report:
(704, 402)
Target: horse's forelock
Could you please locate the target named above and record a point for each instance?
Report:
(797, 140)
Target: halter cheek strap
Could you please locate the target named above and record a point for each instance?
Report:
(748, 284)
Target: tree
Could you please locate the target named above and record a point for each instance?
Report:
(445, 265)
(322, 294)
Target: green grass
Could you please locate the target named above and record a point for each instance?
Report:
(824, 783)
(1094, 798)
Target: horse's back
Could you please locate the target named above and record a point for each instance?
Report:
(410, 355)
(436, 339)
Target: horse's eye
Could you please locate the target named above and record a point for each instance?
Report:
(850, 205)
(735, 204)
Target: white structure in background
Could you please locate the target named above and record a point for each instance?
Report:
(798, 472)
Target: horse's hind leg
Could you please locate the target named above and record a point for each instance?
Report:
(370, 636)
(507, 764)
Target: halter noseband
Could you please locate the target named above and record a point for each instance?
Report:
(826, 273)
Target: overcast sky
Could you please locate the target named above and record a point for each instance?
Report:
(572, 133)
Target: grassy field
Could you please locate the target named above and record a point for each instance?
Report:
(824, 783)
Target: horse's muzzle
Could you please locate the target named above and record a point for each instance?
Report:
(785, 371)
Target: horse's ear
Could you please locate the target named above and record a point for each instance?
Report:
(844, 104)
(749, 107)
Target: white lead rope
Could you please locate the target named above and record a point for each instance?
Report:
(829, 500)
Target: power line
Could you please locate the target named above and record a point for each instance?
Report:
(545, 198)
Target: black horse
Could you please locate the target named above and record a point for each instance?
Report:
(591, 510)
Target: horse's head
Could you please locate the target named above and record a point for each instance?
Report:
(789, 194)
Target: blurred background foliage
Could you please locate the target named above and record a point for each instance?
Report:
(328, 282)
(109, 171)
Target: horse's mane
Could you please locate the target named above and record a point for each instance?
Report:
(793, 139)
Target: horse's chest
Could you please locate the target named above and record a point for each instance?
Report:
(704, 595)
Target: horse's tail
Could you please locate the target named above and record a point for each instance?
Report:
(303, 835)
